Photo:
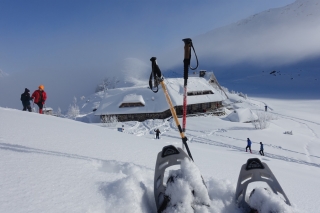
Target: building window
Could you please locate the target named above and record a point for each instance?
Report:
(204, 92)
(137, 104)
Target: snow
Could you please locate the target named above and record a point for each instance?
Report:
(265, 201)
(51, 164)
(242, 115)
(156, 102)
(47, 108)
(296, 26)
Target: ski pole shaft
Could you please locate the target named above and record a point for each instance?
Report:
(156, 72)
(175, 117)
(186, 64)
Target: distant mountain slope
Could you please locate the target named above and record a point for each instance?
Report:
(283, 39)
(279, 36)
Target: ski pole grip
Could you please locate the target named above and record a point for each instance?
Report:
(155, 68)
(187, 58)
(187, 48)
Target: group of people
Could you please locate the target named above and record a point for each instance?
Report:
(157, 131)
(249, 146)
(38, 97)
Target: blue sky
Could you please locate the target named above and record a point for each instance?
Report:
(71, 45)
(75, 34)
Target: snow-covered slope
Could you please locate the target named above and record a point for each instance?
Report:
(50, 164)
(243, 54)
(276, 36)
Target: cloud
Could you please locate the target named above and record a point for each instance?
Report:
(3, 74)
(279, 36)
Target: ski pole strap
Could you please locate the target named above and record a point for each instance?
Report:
(155, 75)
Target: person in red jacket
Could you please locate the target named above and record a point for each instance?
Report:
(39, 97)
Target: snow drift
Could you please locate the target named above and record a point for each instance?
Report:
(242, 115)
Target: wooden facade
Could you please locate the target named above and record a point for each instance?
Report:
(191, 109)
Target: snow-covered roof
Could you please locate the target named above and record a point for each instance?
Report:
(156, 102)
(132, 98)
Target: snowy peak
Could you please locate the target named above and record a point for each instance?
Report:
(300, 10)
(277, 36)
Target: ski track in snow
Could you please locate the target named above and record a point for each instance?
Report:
(20, 148)
(274, 156)
(299, 120)
(303, 122)
(192, 137)
(201, 139)
(306, 148)
(167, 125)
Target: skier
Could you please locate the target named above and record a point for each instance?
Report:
(265, 108)
(25, 99)
(157, 133)
(248, 145)
(40, 96)
(261, 149)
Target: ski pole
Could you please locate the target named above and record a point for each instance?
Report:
(158, 78)
(186, 64)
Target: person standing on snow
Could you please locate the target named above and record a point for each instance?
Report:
(261, 149)
(157, 133)
(39, 96)
(25, 99)
(248, 145)
(265, 108)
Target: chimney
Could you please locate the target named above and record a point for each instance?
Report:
(202, 73)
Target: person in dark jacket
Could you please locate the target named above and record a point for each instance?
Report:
(25, 99)
(157, 133)
(248, 145)
(261, 149)
(39, 96)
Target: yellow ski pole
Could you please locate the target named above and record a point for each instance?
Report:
(158, 78)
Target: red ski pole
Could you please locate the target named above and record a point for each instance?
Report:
(186, 64)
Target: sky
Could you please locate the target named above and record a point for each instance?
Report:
(50, 35)
(74, 44)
